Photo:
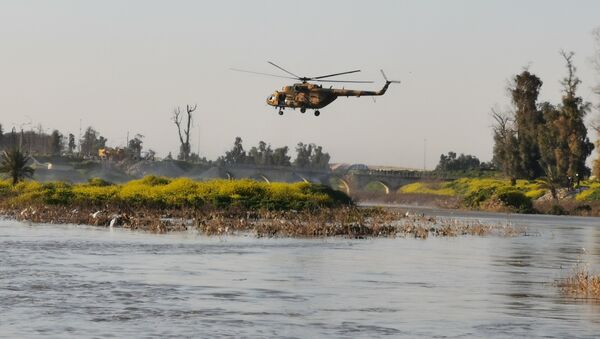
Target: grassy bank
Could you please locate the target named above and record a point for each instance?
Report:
(492, 194)
(161, 192)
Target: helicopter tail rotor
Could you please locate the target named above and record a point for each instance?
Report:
(386, 78)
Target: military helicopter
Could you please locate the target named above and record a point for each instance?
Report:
(305, 95)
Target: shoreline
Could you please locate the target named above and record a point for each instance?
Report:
(570, 207)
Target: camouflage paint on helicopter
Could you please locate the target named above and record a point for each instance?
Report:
(312, 96)
(306, 95)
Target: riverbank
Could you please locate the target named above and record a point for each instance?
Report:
(220, 207)
(494, 195)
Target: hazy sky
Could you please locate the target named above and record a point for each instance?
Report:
(124, 65)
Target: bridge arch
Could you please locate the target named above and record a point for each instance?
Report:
(302, 178)
(381, 184)
(261, 177)
(339, 182)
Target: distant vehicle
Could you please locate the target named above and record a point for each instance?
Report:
(306, 95)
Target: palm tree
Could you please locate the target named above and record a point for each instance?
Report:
(14, 163)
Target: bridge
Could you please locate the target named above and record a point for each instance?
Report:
(389, 180)
(350, 181)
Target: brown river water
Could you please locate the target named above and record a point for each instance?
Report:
(69, 281)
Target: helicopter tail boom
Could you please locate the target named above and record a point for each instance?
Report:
(387, 83)
(354, 93)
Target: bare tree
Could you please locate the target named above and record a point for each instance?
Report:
(184, 135)
(506, 151)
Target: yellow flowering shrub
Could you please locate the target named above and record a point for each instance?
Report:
(162, 192)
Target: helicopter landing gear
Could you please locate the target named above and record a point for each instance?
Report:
(317, 113)
(280, 112)
(302, 110)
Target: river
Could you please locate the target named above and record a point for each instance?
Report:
(72, 281)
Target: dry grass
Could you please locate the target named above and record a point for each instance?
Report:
(581, 284)
(347, 222)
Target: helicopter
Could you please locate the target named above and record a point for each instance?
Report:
(306, 95)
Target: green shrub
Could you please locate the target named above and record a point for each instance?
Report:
(475, 198)
(517, 200)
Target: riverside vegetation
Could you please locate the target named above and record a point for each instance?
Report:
(497, 194)
(222, 207)
(581, 284)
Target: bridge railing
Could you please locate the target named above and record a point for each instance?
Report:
(406, 174)
(276, 168)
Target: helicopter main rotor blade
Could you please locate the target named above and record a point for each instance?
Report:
(335, 74)
(267, 74)
(348, 81)
(288, 72)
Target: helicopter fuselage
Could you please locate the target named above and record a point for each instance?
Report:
(311, 96)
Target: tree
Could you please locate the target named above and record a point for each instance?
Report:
(303, 153)
(506, 151)
(150, 154)
(311, 156)
(553, 145)
(573, 111)
(56, 142)
(1, 136)
(71, 145)
(236, 155)
(261, 155)
(280, 157)
(134, 147)
(14, 163)
(265, 154)
(184, 135)
(525, 91)
(319, 159)
(451, 162)
(91, 142)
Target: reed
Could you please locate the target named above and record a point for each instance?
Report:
(581, 283)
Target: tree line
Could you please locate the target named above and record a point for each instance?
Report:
(462, 163)
(307, 156)
(56, 144)
(38, 142)
(542, 139)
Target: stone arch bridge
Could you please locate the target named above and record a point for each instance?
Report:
(350, 181)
